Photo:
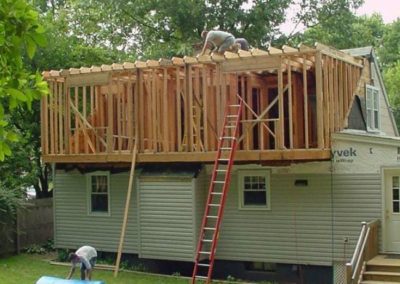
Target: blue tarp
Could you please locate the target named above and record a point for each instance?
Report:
(55, 280)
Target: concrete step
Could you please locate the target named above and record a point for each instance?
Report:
(381, 276)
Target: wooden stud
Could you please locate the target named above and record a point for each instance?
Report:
(118, 115)
(43, 126)
(142, 107)
(189, 97)
(56, 116)
(340, 94)
(336, 95)
(305, 102)
(152, 123)
(165, 119)
(51, 118)
(197, 108)
(280, 134)
(179, 108)
(67, 122)
(327, 107)
(76, 133)
(205, 106)
(84, 113)
(110, 118)
(319, 94)
(290, 106)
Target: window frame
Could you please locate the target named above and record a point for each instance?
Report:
(251, 173)
(89, 193)
(370, 92)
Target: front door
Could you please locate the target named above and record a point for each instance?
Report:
(392, 211)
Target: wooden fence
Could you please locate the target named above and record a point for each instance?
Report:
(33, 225)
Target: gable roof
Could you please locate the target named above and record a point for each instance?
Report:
(368, 52)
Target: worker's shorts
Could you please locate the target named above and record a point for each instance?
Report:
(92, 263)
(228, 42)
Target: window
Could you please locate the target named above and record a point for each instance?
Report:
(99, 192)
(372, 108)
(254, 190)
(395, 195)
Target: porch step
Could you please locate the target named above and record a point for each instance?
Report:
(381, 276)
(383, 268)
(378, 282)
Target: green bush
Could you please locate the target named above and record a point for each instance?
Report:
(62, 255)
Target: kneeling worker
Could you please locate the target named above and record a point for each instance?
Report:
(85, 256)
(218, 42)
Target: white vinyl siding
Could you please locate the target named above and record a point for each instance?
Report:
(373, 113)
(166, 218)
(73, 227)
(306, 224)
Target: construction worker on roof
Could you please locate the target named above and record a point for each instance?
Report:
(218, 42)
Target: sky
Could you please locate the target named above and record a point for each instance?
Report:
(389, 9)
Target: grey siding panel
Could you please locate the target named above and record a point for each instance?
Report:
(201, 192)
(297, 229)
(166, 219)
(357, 198)
(305, 224)
(74, 227)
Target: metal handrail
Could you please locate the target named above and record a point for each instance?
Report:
(357, 264)
(358, 246)
(360, 250)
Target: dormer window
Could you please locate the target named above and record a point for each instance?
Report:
(373, 116)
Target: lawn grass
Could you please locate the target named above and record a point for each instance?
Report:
(28, 268)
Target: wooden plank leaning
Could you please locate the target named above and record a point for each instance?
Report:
(127, 203)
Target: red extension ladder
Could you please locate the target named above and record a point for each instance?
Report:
(219, 185)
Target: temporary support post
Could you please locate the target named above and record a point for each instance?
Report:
(127, 203)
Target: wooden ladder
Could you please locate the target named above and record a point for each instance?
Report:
(219, 186)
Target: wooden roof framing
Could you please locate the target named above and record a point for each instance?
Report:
(296, 57)
(294, 97)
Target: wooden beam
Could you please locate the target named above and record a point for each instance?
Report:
(290, 106)
(76, 133)
(305, 102)
(126, 211)
(327, 107)
(257, 156)
(338, 54)
(204, 106)
(251, 64)
(280, 134)
(190, 60)
(273, 50)
(165, 107)
(289, 49)
(178, 61)
(110, 118)
(258, 52)
(319, 95)
(178, 108)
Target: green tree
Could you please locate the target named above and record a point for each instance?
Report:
(20, 32)
(349, 32)
(389, 53)
(391, 77)
(25, 168)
